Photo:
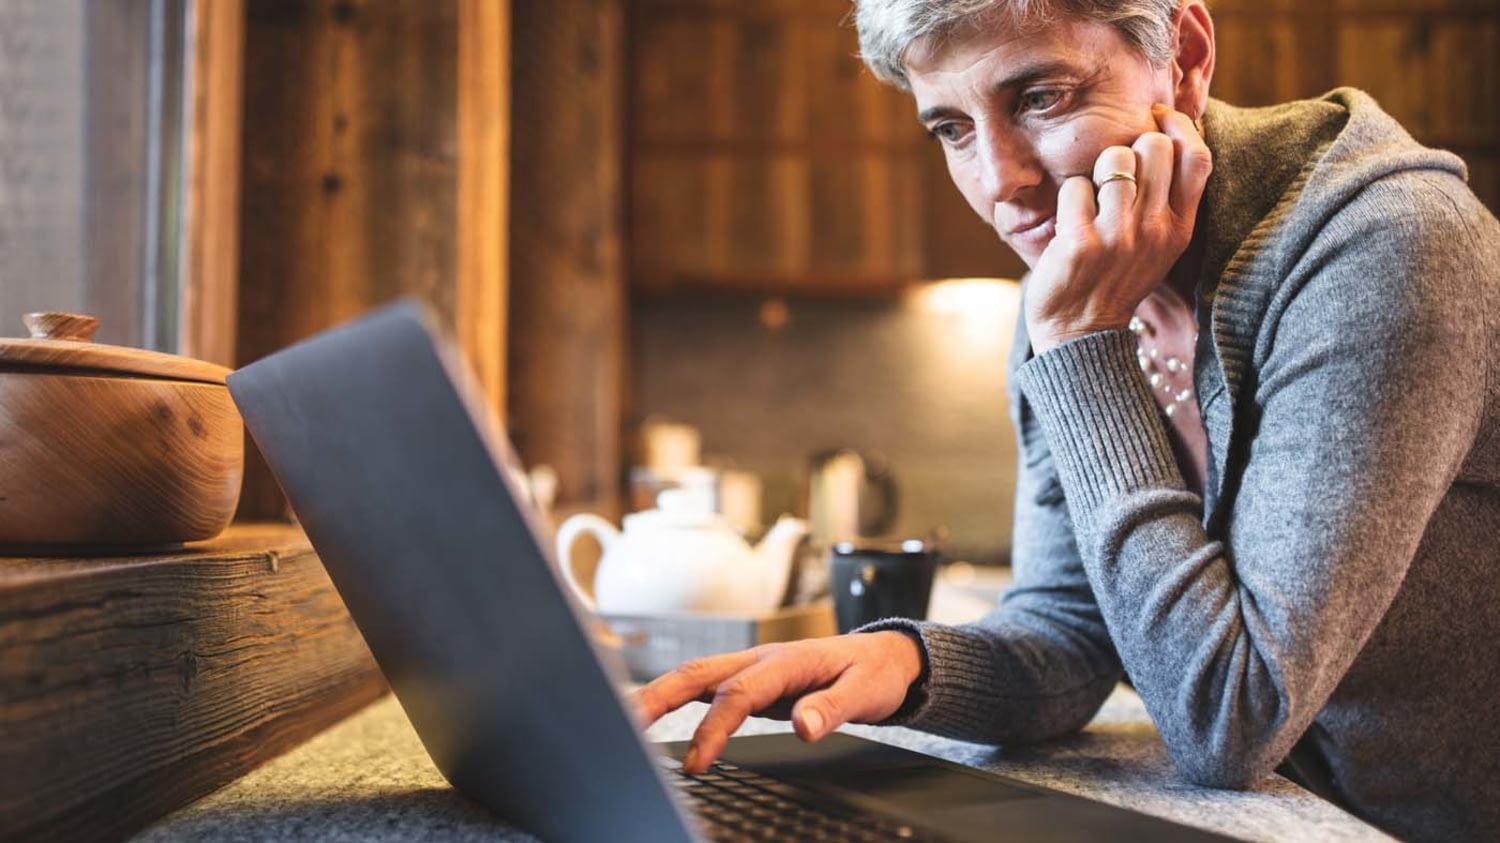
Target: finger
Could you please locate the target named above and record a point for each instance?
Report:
(1192, 158)
(857, 696)
(751, 690)
(1115, 176)
(1156, 155)
(779, 710)
(687, 682)
(1076, 210)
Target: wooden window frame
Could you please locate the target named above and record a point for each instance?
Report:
(210, 276)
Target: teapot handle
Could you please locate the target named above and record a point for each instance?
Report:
(567, 536)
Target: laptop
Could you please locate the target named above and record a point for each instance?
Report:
(407, 489)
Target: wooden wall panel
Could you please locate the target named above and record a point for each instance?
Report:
(765, 157)
(668, 201)
(348, 173)
(765, 83)
(1401, 76)
(353, 159)
(1466, 64)
(867, 212)
(812, 10)
(677, 87)
(1484, 177)
(764, 231)
(1433, 64)
(838, 89)
(567, 319)
(349, 162)
(1258, 60)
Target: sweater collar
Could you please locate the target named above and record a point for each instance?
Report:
(1262, 159)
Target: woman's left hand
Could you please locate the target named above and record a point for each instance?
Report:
(1117, 238)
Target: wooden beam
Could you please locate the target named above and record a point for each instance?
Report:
(568, 303)
(483, 189)
(210, 272)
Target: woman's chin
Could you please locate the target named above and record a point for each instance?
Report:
(1028, 253)
(1031, 243)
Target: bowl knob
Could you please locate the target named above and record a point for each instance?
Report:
(61, 326)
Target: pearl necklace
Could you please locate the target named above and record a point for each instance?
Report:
(1171, 376)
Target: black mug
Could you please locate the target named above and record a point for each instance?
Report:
(871, 582)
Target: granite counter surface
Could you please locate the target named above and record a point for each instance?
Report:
(369, 779)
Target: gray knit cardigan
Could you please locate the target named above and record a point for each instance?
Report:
(1337, 587)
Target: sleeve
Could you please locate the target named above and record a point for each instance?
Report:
(1041, 664)
(1367, 396)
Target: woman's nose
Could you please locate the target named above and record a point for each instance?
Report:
(1007, 164)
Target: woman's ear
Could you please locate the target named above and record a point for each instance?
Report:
(1193, 63)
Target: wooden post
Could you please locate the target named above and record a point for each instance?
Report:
(351, 178)
(567, 320)
(211, 251)
(483, 188)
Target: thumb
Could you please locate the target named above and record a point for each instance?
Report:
(853, 698)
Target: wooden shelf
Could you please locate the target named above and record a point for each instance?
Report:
(817, 148)
(133, 685)
(764, 157)
(822, 285)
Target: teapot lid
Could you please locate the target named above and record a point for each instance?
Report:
(60, 344)
(676, 509)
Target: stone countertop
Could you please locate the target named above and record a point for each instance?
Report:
(368, 778)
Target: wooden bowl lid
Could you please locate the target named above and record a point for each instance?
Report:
(60, 344)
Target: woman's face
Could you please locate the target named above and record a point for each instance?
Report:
(1018, 114)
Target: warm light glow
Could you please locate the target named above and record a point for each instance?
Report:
(984, 308)
(960, 296)
(774, 314)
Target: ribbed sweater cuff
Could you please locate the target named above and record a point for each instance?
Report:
(957, 688)
(1096, 409)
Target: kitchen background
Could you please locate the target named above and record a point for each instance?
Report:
(632, 213)
(916, 383)
(698, 211)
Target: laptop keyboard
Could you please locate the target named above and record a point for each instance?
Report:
(736, 804)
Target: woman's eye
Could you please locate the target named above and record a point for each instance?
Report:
(1040, 100)
(947, 132)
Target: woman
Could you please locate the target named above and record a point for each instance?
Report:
(1256, 389)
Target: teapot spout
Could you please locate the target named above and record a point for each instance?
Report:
(775, 555)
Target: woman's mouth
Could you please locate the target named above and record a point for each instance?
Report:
(1035, 235)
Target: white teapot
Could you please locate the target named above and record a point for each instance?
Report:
(677, 558)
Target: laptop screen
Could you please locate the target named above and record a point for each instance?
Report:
(373, 433)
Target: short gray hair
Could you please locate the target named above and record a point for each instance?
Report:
(887, 28)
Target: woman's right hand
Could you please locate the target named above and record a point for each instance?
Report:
(1119, 233)
(819, 684)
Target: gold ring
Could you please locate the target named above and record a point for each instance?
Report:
(1118, 175)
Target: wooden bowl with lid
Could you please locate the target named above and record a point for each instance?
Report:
(110, 449)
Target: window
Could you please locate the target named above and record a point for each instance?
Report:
(94, 123)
